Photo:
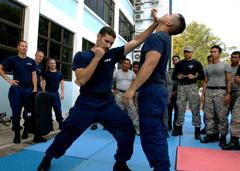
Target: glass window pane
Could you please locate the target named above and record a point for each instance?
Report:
(43, 27)
(4, 54)
(67, 71)
(42, 45)
(67, 38)
(55, 32)
(54, 51)
(11, 11)
(11, 35)
(67, 55)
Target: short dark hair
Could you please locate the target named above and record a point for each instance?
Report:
(175, 56)
(107, 30)
(217, 47)
(126, 59)
(24, 41)
(180, 26)
(135, 63)
(236, 53)
(208, 57)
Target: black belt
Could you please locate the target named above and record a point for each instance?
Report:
(96, 95)
(123, 91)
(217, 88)
(185, 83)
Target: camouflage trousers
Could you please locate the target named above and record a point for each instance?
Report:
(130, 109)
(214, 106)
(188, 93)
(235, 118)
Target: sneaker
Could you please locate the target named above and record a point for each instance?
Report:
(121, 166)
(94, 127)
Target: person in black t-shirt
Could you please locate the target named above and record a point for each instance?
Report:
(187, 72)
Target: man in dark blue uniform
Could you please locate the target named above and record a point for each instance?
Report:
(23, 83)
(152, 93)
(52, 78)
(94, 72)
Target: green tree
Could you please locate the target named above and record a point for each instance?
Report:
(201, 39)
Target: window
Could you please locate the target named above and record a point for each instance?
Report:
(132, 2)
(11, 27)
(56, 42)
(104, 9)
(86, 44)
(125, 28)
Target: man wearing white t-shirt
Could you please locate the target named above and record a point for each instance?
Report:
(123, 78)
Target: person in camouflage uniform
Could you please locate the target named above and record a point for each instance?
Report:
(187, 72)
(123, 78)
(235, 104)
(216, 96)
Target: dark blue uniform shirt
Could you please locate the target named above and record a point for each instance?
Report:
(101, 80)
(159, 42)
(39, 72)
(22, 69)
(52, 80)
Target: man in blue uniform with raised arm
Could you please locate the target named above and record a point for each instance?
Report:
(152, 93)
(23, 83)
(94, 72)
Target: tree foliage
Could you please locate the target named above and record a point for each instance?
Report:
(201, 39)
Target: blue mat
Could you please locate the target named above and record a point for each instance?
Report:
(28, 160)
(85, 146)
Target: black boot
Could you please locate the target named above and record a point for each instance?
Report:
(208, 138)
(177, 130)
(233, 145)
(25, 134)
(197, 133)
(121, 166)
(17, 139)
(45, 164)
(203, 131)
(222, 141)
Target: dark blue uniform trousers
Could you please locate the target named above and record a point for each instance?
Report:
(152, 105)
(19, 97)
(56, 104)
(87, 111)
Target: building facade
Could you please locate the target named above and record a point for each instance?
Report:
(60, 28)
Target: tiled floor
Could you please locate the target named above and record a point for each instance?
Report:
(93, 151)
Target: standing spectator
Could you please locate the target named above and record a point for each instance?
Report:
(123, 78)
(52, 78)
(94, 72)
(235, 104)
(135, 67)
(172, 93)
(23, 83)
(39, 55)
(235, 58)
(187, 72)
(152, 99)
(217, 89)
(39, 68)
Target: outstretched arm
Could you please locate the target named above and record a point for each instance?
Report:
(137, 40)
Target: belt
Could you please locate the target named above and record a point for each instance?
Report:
(156, 81)
(123, 91)
(185, 83)
(217, 88)
(96, 95)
